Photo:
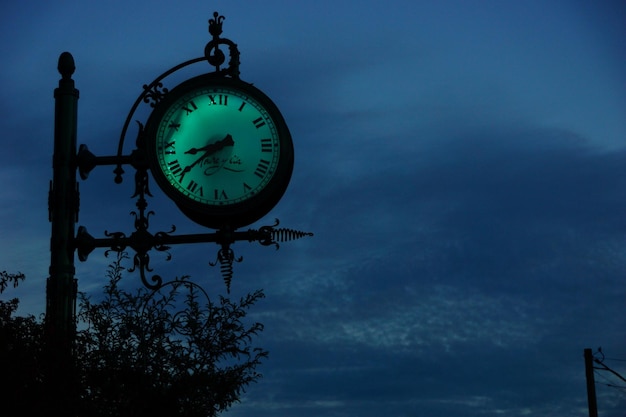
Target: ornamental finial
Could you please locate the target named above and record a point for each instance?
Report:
(213, 53)
(66, 65)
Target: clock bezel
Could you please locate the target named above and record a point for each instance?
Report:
(242, 213)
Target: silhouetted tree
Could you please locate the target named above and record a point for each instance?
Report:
(172, 352)
(6, 278)
(21, 350)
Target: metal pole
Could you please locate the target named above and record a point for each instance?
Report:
(63, 210)
(591, 384)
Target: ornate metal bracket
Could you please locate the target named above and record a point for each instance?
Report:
(141, 240)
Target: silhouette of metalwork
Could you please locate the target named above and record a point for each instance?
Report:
(214, 54)
(141, 240)
(154, 93)
(226, 257)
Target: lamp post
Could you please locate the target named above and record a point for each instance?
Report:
(62, 213)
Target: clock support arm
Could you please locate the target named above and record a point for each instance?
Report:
(86, 161)
(141, 241)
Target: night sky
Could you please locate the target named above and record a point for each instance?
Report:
(461, 163)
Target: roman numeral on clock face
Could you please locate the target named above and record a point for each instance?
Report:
(262, 168)
(219, 194)
(266, 145)
(219, 99)
(176, 169)
(258, 122)
(190, 107)
(168, 147)
(193, 188)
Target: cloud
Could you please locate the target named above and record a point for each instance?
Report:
(427, 318)
(484, 254)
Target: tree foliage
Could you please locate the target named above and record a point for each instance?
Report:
(172, 352)
(21, 351)
(6, 278)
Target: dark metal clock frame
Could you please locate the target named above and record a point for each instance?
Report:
(232, 215)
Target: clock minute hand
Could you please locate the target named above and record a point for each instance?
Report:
(209, 150)
(213, 147)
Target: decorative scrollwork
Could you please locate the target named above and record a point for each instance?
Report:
(141, 220)
(154, 93)
(141, 241)
(142, 261)
(270, 236)
(159, 237)
(214, 54)
(226, 257)
(118, 238)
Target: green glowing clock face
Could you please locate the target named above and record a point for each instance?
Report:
(221, 150)
(217, 146)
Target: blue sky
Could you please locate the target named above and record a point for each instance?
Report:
(461, 163)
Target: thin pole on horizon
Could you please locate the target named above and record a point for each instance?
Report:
(591, 384)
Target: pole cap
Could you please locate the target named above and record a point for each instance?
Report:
(66, 65)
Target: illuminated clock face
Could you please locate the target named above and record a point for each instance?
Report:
(221, 150)
(217, 146)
